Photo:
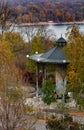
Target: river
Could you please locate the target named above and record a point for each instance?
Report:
(55, 30)
(61, 29)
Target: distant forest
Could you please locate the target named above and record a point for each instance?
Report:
(26, 11)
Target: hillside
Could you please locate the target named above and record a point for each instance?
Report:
(16, 2)
(41, 1)
(28, 11)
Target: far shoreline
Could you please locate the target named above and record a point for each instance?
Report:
(49, 23)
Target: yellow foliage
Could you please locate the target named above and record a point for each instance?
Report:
(8, 71)
(5, 53)
(71, 74)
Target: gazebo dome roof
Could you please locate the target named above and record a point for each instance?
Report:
(54, 56)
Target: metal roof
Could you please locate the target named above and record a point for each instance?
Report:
(54, 56)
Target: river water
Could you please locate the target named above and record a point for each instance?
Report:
(56, 30)
(61, 29)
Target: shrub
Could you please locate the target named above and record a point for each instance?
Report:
(64, 123)
(48, 92)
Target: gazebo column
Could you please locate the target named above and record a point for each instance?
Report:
(61, 81)
(63, 73)
(44, 73)
(37, 74)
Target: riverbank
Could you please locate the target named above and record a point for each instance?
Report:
(49, 23)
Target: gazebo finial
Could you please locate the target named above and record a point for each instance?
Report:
(61, 42)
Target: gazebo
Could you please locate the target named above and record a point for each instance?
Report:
(55, 56)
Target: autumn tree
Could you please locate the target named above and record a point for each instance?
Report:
(13, 110)
(25, 11)
(18, 48)
(48, 38)
(6, 60)
(6, 16)
(29, 31)
(36, 47)
(41, 42)
(42, 15)
(68, 17)
(75, 52)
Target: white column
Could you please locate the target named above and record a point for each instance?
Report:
(37, 71)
